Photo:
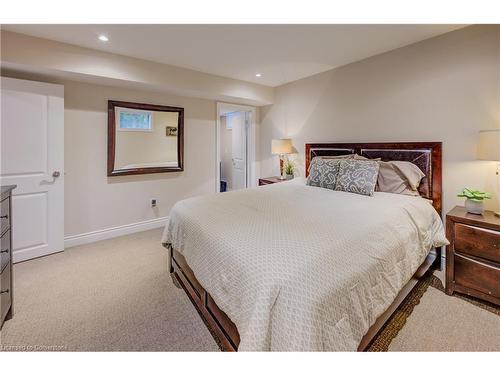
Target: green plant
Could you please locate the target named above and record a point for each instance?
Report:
(474, 195)
(289, 167)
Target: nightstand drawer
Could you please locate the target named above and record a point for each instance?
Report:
(6, 292)
(480, 242)
(5, 250)
(477, 275)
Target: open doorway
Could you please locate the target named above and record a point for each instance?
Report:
(235, 147)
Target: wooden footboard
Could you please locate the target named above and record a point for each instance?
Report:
(225, 330)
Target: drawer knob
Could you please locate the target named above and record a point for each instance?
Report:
(4, 217)
(4, 251)
(4, 291)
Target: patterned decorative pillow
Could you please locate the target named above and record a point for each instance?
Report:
(323, 172)
(357, 176)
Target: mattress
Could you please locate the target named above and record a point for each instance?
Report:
(302, 268)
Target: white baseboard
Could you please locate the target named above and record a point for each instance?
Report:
(104, 234)
(32, 253)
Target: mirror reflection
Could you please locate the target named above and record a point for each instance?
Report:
(146, 138)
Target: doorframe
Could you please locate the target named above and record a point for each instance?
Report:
(251, 142)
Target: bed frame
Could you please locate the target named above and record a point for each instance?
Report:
(426, 155)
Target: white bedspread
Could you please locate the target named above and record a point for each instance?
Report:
(297, 267)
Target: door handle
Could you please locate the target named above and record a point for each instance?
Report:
(55, 176)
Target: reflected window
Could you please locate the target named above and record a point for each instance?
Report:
(135, 120)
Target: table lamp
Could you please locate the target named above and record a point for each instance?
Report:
(489, 149)
(281, 147)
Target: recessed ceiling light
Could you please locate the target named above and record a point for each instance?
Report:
(103, 38)
(258, 75)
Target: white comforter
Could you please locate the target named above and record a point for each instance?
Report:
(297, 267)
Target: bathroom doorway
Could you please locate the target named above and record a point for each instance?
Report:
(236, 147)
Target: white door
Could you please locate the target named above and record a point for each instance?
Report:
(32, 157)
(239, 150)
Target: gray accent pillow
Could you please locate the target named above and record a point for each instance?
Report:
(323, 172)
(357, 176)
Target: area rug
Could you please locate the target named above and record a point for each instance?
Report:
(394, 325)
(391, 328)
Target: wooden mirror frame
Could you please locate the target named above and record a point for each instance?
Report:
(112, 138)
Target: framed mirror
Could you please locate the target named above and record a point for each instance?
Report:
(144, 138)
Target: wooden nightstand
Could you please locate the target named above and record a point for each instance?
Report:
(473, 256)
(270, 180)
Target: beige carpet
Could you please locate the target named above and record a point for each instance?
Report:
(117, 295)
(111, 295)
(443, 323)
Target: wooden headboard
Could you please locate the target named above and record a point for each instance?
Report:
(426, 155)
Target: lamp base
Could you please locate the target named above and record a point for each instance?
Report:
(282, 162)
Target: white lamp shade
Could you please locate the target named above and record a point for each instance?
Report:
(489, 145)
(281, 146)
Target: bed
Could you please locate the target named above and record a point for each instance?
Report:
(291, 267)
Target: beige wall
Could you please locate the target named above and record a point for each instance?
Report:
(442, 89)
(94, 201)
(138, 147)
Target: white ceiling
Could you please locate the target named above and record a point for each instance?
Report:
(281, 53)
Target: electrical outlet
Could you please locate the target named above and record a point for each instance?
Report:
(154, 201)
